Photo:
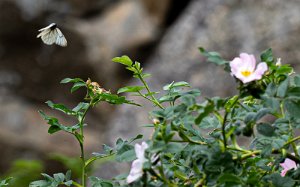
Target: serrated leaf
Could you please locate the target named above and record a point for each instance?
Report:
(81, 106)
(213, 57)
(261, 113)
(5, 182)
(77, 85)
(126, 156)
(267, 56)
(68, 80)
(175, 85)
(297, 80)
(146, 75)
(283, 70)
(68, 183)
(68, 175)
(293, 108)
(139, 136)
(123, 60)
(229, 178)
(271, 89)
(96, 182)
(59, 177)
(282, 88)
(294, 92)
(53, 129)
(60, 107)
(39, 183)
(206, 111)
(130, 89)
(279, 181)
(265, 129)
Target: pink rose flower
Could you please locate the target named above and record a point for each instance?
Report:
(137, 165)
(288, 164)
(243, 68)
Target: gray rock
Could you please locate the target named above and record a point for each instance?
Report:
(229, 27)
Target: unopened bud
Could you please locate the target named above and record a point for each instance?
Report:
(88, 82)
(278, 63)
(155, 121)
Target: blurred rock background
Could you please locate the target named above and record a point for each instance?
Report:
(161, 34)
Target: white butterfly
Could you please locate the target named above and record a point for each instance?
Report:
(51, 34)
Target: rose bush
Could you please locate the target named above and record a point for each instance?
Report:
(198, 143)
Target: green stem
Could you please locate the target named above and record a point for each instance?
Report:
(292, 140)
(154, 100)
(81, 120)
(225, 119)
(223, 129)
(76, 184)
(238, 149)
(291, 131)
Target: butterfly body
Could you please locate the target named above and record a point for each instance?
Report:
(51, 34)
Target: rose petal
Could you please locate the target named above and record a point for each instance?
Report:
(136, 171)
(248, 61)
(235, 65)
(261, 68)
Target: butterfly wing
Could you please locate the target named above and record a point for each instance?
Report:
(49, 36)
(60, 39)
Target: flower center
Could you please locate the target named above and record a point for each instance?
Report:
(246, 73)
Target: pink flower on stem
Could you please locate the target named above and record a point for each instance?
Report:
(244, 68)
(137, 165)
(288, 164)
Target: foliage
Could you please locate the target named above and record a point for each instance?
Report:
(22, 172)
(196, 143)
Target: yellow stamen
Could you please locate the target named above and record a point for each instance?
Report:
(246, 73)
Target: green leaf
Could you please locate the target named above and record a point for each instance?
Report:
(294, 92)
(68, 175)
(96, 182)
(297, 80)
(5, 182)
(40, 183)
(68, 80)
(283, 70)
(59, 177)
(282, 88)
(229, 178)
(267, 56)
(175, 85)
(271, 89)
(60, 107)
(279, 181)
(55, 126)
(271, 102)
(146, 75)
(261, 113)
(205, 111)
(213, 57)
(126, 156)
(81, 106)
(180, 175)
(292, 107)
(77, 85)
(139, 136)
(265, 129)
(130, 89)
(123, 60)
